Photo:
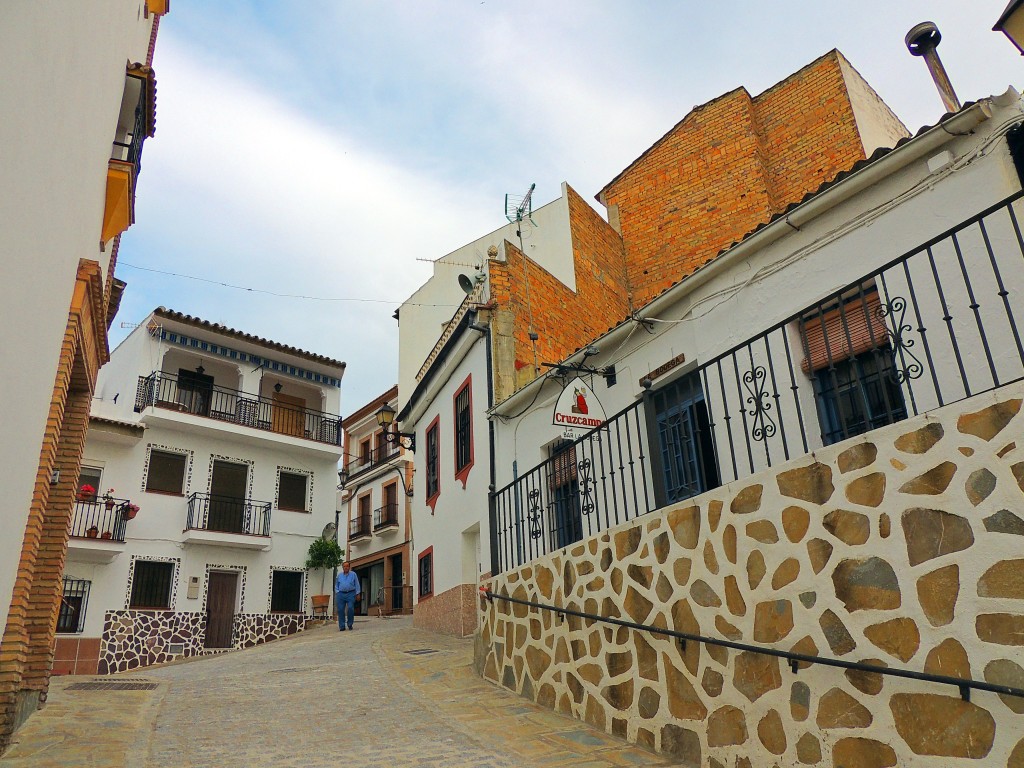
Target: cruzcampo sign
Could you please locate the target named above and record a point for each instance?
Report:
(578, 410)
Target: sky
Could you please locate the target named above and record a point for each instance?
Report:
(311, 159)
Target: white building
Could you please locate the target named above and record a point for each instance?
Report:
(77, 95)
(228, 444)
(376, 510)
(891, 291)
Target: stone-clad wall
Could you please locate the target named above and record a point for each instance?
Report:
(904, 547)
(135, 639)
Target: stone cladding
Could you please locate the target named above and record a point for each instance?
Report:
(902, 547)
(135, 639)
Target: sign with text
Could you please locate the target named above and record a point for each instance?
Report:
(577, 409)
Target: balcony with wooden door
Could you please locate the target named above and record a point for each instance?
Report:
(198, 394)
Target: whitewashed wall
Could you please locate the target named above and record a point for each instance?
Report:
(61, 81)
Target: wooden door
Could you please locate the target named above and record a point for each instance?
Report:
(289, 415)
(227, 497)
(220, 608)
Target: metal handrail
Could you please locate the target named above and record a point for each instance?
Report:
(384, 516)
(359, 526)
(963, 684)
(103, 515)
(162, 390)
(227, 514)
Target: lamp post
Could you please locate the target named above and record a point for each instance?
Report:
(1011, 24)
(385, 418)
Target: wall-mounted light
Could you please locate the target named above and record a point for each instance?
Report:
(342, 478)
(385, 418)
(200, 369)
(278, 387)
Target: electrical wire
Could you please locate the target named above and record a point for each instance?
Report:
(273, 293)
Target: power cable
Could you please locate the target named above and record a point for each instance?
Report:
(273, 293)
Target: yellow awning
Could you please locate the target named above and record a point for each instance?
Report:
(117, 212)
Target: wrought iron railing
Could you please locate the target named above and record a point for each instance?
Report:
(359, 527)
(100, 519)
(929, 328)
(226, 514)
(130, 150)
(372, 458)
(163, 390)
(964, 685)
(385, 517)
(595, 482)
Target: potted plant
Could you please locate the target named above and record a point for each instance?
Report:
(107, 535)
(108, 498)
(86, 493)
(92, 532)
(326, 555)
(131, 511)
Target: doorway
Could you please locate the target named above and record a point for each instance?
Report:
(228, 484)
(289, 415)
(220, 608)
(397, 582)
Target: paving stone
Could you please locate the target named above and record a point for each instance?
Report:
(282, 704)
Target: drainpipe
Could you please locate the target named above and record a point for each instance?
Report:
(492, 511)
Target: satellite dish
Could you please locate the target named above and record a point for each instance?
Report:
(329, 530)
(466, 284)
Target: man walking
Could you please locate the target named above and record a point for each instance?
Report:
(346, 590)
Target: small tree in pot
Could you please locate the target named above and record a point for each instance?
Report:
(326, 555)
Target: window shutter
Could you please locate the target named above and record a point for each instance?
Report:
(855, 327)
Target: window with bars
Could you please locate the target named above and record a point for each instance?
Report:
(433, 460)
(685, 450)
(463, 429)
(152, 583)
(166, 472)
(849, 357)
(426, 572)
(566, 518)
(73, 602)
(286, 591)
(292, 492)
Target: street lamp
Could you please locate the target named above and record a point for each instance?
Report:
(1011, 24)
(385, 418)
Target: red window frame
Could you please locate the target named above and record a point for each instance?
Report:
(425, 554)
(462, 473)
(433, 463)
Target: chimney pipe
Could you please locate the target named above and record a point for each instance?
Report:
(923, 40)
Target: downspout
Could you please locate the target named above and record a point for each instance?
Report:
(492, 511)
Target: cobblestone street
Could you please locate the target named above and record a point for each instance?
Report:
(322, 698)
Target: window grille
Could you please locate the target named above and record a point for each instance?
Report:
(286, 591)
(151, 584)
(463, 430)
(73, 603)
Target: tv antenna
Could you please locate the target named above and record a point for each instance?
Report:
(520, 208)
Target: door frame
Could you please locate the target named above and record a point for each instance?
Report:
(236, 582)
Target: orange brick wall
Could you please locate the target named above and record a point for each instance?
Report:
(26, 647)
(563, 319)
(727, 167)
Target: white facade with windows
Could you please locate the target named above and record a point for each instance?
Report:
(888, 293)
(210, 465)
(375, 522)
(446, 413)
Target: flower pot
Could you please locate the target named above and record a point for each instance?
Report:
(93, 532)
(107, 535)
(109, 503)
(130, 514)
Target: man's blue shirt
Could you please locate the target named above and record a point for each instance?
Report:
(347, 582)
